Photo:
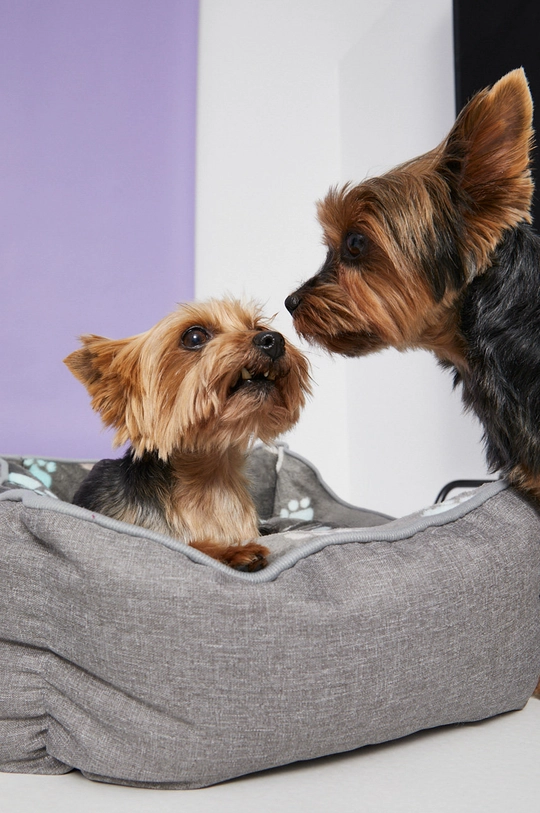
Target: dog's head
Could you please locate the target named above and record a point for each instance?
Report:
(204, 378)
(402, 246)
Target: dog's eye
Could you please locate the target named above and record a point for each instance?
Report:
(354, 246)
(194, 337)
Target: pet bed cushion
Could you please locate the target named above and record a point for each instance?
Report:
(139, 661)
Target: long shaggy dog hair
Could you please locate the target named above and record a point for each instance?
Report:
(190, 395)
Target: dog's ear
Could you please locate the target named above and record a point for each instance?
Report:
(85, 363)
(486, 156)
(108, 368)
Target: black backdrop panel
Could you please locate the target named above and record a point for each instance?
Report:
(492, 37)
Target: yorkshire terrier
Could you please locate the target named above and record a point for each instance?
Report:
(189, 396)
(439, 254)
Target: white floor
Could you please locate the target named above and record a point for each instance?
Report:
(487, 767)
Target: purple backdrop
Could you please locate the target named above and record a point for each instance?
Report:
(97, 154)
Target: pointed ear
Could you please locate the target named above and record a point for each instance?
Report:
(486, 156)
(94, 360)
(84, 363)
(108, 370)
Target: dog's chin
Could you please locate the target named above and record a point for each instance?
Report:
(254, 411)
(255, 397)
(264, 407)
(346, 344)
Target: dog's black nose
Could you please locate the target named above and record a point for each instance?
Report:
(271, 343)
(292, 302)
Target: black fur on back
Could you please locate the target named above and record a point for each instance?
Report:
(142, 484)
(500, 322)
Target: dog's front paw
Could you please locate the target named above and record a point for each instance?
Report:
(247, 558)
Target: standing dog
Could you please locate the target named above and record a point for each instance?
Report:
(439, 254)
(190, 395)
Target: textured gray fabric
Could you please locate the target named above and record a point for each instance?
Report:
(298, 540)
(301, 492)
(139, 663)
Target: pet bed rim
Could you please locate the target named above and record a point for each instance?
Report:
(393, 531)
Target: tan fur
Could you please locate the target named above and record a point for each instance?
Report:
(390, 301)
(181, 405)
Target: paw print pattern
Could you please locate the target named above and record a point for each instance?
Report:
(41, 469)
(24, 481)
(298, 509)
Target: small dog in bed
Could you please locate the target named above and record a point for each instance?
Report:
(439, 254)
(190, 395)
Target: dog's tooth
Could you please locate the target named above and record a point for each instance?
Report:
(246, 375)
(271, 376)
(265, 374)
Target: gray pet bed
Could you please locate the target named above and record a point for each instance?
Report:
(140, 661)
